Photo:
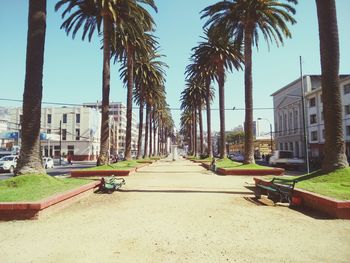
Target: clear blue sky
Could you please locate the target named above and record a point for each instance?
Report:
(73, 68)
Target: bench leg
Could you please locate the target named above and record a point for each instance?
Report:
(257, 192)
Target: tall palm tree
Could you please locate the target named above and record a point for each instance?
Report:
(133, 42)
(92, 14)
(243, 19)
(224, 55)
(200, 71)
(30, 155)
(332, 107)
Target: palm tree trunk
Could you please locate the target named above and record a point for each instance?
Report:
(210, 147)
(30, 155)
(139, 139)
(221, 83)
(145, 154)
(248, 82)
(130, 61)
(329, 48)
(154, 138)
(195, 132)
(102, 159)
(150, 133)
(200, 129)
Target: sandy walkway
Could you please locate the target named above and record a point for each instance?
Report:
(176, 212)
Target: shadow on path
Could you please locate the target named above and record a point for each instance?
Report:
(184, 191)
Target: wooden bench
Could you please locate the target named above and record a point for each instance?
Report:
(278, 190)
(111, 184)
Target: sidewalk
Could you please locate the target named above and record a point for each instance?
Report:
(176, 212)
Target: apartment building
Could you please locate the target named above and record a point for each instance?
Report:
(117, 112)
(289, 120)
(66, 131)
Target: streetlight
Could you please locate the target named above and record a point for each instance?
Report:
(270, 131)
(302, 98)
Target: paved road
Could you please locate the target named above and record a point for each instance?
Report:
(177, 212)
(58, 170)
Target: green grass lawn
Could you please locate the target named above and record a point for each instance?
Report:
(335, 184)
(123, 165)
(228, 164)
(36, 187)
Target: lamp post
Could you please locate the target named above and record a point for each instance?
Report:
(60, 143)
(270, 132)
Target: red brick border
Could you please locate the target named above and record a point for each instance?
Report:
(90, 173)
(253, 172)
(333, 207)
(31, 210)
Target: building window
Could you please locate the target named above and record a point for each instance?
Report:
(48, 131)
(347, 130)
(64, 118)
(77, 118)
(281, 146)
(347, 109)
(322, 116)
(346, 89)
(77, 134)
(71, 150)
(49, 116)
(313, 119)
(64, 134)
(296, 125)
(314, 136)
(312, 102)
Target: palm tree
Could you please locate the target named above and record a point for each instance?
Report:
(243, 19)
(30, 156)
(91, 14)
(332, 107)
(201, 72)
(132, 42)
(223, 55)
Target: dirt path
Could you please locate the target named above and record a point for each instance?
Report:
(176, 212)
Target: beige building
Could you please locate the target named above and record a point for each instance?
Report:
(79, 128)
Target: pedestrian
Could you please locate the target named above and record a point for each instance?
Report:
(69, 159)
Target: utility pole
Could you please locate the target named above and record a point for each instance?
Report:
(306, 151)
(60, 142)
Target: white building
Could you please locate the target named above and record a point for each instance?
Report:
(117, 112)
(79, 128)
(288, 115)
(315, 119)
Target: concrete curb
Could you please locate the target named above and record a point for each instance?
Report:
(331, 206)
(31, 210)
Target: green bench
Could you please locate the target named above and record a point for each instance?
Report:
(109, 185)
(278, 190)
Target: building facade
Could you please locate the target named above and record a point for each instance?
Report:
(117, 112)
(289, 120)
(73, 131)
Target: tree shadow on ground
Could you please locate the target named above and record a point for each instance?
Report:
(306, 211)
(181, 191)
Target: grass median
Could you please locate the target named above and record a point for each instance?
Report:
(36, 187)
(334, 184)
(123, 165)
(229, 164)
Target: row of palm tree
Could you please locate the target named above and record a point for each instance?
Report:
(241, 20)
(236, 25)
(127, 37)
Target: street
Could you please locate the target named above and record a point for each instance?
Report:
(58, 170)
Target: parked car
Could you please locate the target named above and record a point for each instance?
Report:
(8, 163)
(56, 161)
(48, 162)
(236, 157)
(285, 159)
